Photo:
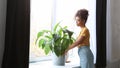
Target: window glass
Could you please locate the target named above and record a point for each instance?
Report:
(40, 18)
(45, 13)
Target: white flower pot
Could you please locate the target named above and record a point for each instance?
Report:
(59, 61)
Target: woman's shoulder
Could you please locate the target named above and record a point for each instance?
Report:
(85, 29)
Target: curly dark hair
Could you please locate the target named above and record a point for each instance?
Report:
(82, 14)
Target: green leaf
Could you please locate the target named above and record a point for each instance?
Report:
(56, 37)
(49, 37)
(65, 27)
(55, 28)
(44, 44)
(69, 32)
(57, 50)
(47, 49)
(65, 43)
(41, 42)
(40, 34)
(50, 45)
(60, 32)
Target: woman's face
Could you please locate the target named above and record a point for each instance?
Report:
(78, 21)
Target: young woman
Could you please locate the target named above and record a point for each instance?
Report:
(82, 42)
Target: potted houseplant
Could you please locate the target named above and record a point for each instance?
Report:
(56, 41)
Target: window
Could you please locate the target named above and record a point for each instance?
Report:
(45, 13)
(40, 19)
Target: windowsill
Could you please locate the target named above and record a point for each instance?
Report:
(48, 64)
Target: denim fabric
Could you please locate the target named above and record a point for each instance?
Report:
(86, 57)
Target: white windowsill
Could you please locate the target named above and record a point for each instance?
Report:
(49, 64)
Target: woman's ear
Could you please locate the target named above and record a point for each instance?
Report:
(84, 21)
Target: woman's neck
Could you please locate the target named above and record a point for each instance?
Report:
(82, 26)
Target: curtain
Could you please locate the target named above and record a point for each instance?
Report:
(16, 50)
(101, 33)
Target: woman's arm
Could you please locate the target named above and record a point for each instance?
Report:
(76, 43)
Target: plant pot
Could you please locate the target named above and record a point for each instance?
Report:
(58, 61)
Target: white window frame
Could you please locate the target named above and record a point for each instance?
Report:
(56, 12)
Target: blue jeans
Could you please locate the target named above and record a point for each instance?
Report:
(86, 57)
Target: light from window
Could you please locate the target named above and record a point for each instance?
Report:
(45, 13)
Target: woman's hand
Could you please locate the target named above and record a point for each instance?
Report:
(66, 51)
